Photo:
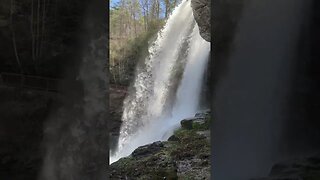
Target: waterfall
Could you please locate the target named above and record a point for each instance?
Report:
(167, 85)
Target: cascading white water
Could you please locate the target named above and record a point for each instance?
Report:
(149, 112)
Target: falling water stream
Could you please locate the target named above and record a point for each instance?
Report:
(167, 85)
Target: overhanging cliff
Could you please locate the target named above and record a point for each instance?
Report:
(201, 12)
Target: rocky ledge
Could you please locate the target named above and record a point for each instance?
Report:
(185, 155)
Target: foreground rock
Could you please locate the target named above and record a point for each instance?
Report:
(297, 169)
(147, 150)
(186, 155)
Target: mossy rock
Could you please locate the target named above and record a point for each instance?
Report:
(155, 166)
(187, 123)
(200, 122)
(148, 149)
(173, 138)
(162, 160)
(201, 126)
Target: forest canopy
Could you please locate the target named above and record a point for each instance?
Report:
(132, 25)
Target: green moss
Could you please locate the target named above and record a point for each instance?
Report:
(180, 133)
(157, 166)
(191, 144)
(203, 126)
(170, 174)
(200, 126)
(188, 176)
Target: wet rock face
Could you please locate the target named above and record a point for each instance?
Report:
(201, 12)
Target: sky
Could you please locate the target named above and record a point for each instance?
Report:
(112, 3)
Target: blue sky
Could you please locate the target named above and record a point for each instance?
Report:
(113, 2)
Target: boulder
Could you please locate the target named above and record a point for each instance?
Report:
(187, 123)
(147, 150)
(173, 138)
(203, 114)
(199, 120)
(191, 123)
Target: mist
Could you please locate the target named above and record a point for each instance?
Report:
(76, 133)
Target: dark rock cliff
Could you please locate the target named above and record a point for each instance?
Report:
(201, 12)
(248, 40)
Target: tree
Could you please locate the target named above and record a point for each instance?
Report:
(132, 24)
(169, 6)
(14, 36)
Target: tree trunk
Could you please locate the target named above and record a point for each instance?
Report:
(32, 31)
(167, 4)
(43, 27)
(38, 31)
(14, 38)
(158, 9)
